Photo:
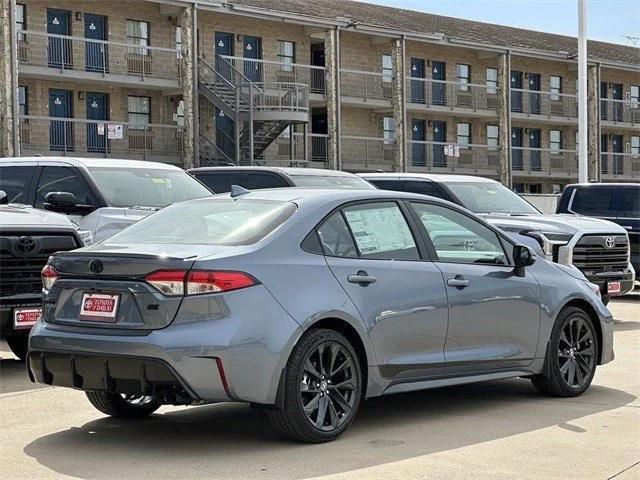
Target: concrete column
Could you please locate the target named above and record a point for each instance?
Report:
(331, 73)
(7, 86)
(504, 118)
(593, 123)
(190, 133)
(398, 103)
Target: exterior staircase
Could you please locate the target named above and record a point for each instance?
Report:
(261, 111)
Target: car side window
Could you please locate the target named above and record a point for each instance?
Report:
(381, 231)
(61, 179)
(458, 238)
(382, 184)
(335, 237)
(264, 180)
(424, 188)
(14, 180)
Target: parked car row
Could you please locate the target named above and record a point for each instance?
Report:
(301, 301)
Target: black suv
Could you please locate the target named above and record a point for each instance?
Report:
(220, 179)
(616, 202)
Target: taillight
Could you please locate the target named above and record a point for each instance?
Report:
(49, 276)
(195, 282)
(207, 281)
(169, 282)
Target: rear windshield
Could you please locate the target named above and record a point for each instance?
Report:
(607, 201)
(332, 181)
(146, 187)
(209, 222)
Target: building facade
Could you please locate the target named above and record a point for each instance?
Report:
(330, 83)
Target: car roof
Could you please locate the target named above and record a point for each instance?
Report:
(290, 171)
(92, 162)
(604, 184)
(434, 177)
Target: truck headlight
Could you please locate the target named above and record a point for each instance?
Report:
(548, 240)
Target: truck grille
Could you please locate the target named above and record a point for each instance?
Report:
(20, 271)
(591, 253)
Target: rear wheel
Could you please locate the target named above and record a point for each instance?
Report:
(19, 345)
(123, 405)
(571, 355)
(323, 385)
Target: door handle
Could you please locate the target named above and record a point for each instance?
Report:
(459, 282)
(362, 278)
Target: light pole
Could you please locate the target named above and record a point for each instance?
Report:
(583, 162)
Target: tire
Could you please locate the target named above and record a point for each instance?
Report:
(19, 345)
(115, 404)
(337, 393)
(570, 364)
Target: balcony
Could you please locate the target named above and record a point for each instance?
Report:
(366, 153)
(444, 96)
(71, 136)
(45, 55)
(620, 166)
(620, 113)
(544, 106)
(540, 162)
(441, 157)
(373, 88)
(258, 70)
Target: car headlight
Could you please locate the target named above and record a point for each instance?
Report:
(548, 240)
(86, 236)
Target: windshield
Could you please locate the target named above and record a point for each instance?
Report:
(332, 181)
(146, 187)
(223, 221)
(490, 197)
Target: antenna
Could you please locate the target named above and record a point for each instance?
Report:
(237, 191)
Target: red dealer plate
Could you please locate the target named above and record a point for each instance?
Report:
(99, 307)
(25, 317)
(613, 287)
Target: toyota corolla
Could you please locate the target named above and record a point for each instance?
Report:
(306, 302)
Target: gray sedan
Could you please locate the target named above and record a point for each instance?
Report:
(305, 302)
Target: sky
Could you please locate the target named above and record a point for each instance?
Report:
(607, 20)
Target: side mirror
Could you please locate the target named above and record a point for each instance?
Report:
(61, 202)
(523, 256)
(4, 198)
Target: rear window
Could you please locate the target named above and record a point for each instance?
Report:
(332, 181)
(220, 182)
(598, 202)
(212, 222)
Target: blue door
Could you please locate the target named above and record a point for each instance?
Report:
(439, 135)
(516, 148)
(516, 97)
(417, 86)
(419, 150)
(251, 49)
(95, 28)
(534, 96)
(60, 131)
(616, 94)
(616, 150)
(438, 87)
(97, 107)
(534, 153)
(225, 133)
(223, 46)
(59, 50)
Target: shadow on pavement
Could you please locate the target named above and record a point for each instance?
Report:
(234, 441)
(13, 376)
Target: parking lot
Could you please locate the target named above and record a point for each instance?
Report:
(492, 430)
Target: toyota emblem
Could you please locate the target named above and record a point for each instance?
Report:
(25, 246)
(610, 242)
(96, 266)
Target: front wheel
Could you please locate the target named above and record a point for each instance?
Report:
(323, 385)
(123, 405)
(19, 345)
(572, 355)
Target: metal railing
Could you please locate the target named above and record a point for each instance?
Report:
(366, 152)
(61, 52)
(365, 85)
(451, 157)
(548, 104)
(259, 70)
(283, 96)
(425, 91)
(544, 161)
(620, 111)
(620, 165)
(290, 151)
(109, 138)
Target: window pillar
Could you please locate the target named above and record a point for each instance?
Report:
(398, 104)
(332, 94)
(593, 123)
(504, 118)
(190, 130)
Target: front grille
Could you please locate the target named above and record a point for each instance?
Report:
(20, 274)
(591, 254)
